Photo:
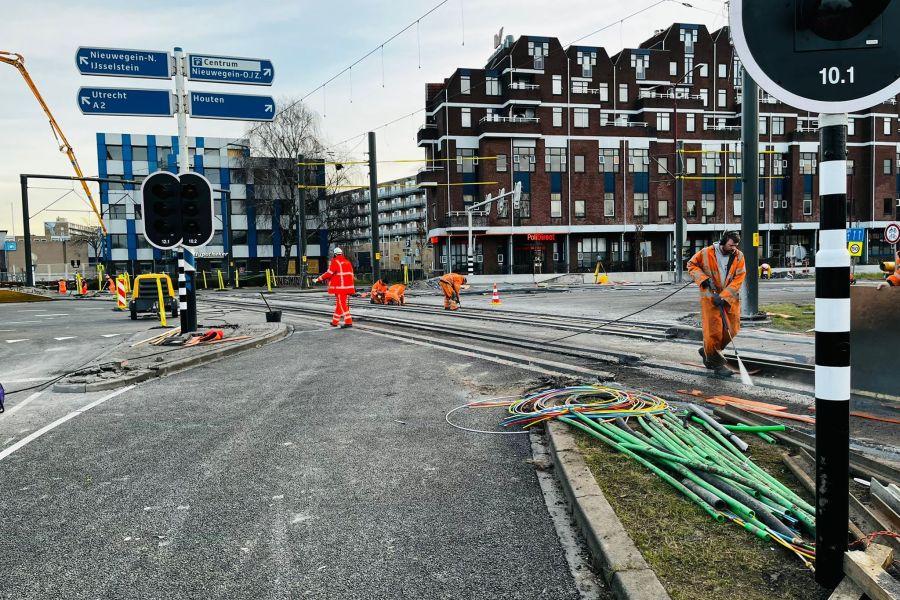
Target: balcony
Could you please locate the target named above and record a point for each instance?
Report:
(427, 134)
(459, 220)
(622, 123)
(506, 125)
(804, 134)
(525, 93)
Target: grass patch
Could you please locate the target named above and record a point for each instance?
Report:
(871, 276)
(791, 317)
(693, 556)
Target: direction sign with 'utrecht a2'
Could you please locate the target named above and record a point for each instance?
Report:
(125, 101)
(116, 62)
(230, 69)
(243, 107)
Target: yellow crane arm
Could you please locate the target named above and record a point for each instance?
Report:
(18, 61)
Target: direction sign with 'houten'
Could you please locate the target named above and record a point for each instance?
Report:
(243, 107)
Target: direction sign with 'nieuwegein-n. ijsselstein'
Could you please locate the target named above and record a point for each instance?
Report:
(243, 107)
(230, 69)
(125, 101)
(122, 62)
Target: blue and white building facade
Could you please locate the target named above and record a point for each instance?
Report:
(246, 238)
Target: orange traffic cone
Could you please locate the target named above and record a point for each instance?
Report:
(495, 297)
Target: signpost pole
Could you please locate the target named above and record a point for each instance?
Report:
(29, 268)
(187, 299)
(373, 204)
(832, 353)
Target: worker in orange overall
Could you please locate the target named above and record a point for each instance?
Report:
(892, 280)
(450, 284)
(719, 271)
(379, 289)
(340, 283)
(396, 294)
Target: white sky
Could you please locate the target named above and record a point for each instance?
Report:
(307, 41)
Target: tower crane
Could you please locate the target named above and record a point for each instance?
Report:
(18, 61)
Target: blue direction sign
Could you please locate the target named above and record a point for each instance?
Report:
(125, 101)
(242, 107)
(9, 246)
(115, 62)
(856, 234)
(230, 69)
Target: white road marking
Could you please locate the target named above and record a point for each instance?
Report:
(60, 349)
(30, 438)
(24, 402)
(34, 310)
(25, 380)
(109, 335)
(16, 341)
(6, 330)
(65, 337)
(21, 322)
(54, 315)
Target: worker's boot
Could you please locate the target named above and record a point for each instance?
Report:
(722, 372)
(703, 356)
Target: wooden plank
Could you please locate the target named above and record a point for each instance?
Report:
(866, 569)
(888, 515)
(885, 495)
(846, 590)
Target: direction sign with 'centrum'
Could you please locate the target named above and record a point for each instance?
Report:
(116, 62)
(125, 101)
(243, 107)
(230, 69)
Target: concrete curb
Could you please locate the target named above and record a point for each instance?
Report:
(160, 369)
(622, 565)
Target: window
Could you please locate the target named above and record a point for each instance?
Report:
(690, 166)
(688, 70)
(214, 176)
(555, 206)
(580, 117)
(640, 63)
(777, 125)
(492, 86)
(723, 71)
(737, 203)
(538, 50)
(673, 68)
(557, 84)
(263, 237)
(623, 92)
(557, 116)
(639, 160)
(851, 126)
(138, 213)
(807, 203)
(609, 160)
(603, 92)
(211, 152)
(466, 114)
(114, 153)
(579, 163)
(609, 204)
(778, 164)
(118, 241)
(239, 207)
(590, 250)
(763, 126)
(663, 121)
(887, 126)
(465, 85)
(737, 72)
(579, 87)
(216, 239)
(887, 207)
(523, 158)
(117, 211)
(690, 122)
(465, 162)
(689, 37)
(703, 70)
(851, 169)
(710, 162)
(525, 205)
(579, 208)
(587, 60)
(736, 164)
(887, 166)
(238, 237)
(692, 208)
(723, 98)
(468, 200)
(662, 165)
(662, 208)
(709, 204)
(116, 186)
(555, 160)
(807, 163)
(139, 153)
(501, 163)
(704, 97)
(641, 205)
(162, 154)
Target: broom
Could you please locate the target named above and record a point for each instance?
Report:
(745, 376)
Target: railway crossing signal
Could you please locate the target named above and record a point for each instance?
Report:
(177, 210)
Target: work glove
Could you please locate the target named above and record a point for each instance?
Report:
(705, 284)
(718, 300)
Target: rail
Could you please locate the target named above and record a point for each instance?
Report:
(524, 86)
(499, 119)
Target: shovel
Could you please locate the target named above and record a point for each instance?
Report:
(745, 376)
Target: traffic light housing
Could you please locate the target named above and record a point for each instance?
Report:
(177, 210)
(196, 210)
(834, 24)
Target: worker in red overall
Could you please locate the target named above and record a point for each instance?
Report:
(340, 283)
(450, 285)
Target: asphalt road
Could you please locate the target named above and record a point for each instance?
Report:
(317, 467)
(40, 340)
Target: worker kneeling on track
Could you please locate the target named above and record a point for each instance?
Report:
(719, 271)
(379, 289)
(396, 294)
(450, 284)
(340, 284)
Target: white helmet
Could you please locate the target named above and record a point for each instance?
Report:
(338, 251)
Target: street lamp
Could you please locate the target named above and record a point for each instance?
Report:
(516, 194)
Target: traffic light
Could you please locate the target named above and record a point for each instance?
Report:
(177, 210)
(196, 210)
(841, 20)
(161, 208)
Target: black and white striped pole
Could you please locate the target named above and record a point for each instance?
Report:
(832, 348)
(182, 293)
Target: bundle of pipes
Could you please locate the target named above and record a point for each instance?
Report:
(691, 452)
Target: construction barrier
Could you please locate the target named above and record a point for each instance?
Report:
(204, 279)
(221, 281)
(121, 293)
(268, 282)
(162, 302)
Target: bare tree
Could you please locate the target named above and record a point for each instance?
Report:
(92, 237)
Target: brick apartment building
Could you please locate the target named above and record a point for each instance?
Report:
(592, 139)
